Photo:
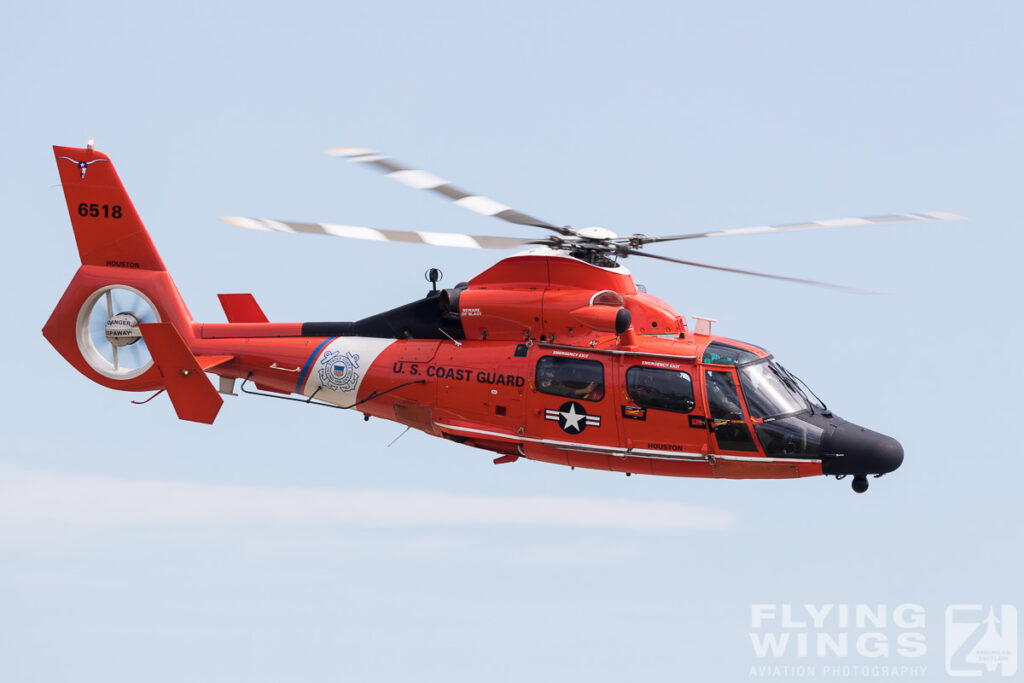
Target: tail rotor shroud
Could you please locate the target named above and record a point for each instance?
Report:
(108, 331)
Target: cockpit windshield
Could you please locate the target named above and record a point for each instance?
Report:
(804, 390)
(770, 391)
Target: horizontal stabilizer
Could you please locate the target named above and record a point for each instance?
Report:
(207, 362)
(193, 396)
(242, 308)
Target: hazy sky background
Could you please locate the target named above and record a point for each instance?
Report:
(291, 543)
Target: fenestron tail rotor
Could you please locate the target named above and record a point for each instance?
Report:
(108, 331)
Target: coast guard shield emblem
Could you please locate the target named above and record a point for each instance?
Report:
(338, 371)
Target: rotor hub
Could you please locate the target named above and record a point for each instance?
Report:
(122, 330)
(596, 233)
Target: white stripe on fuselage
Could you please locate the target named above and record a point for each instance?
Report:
(338, 371)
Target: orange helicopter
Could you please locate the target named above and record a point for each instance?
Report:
(553, 354)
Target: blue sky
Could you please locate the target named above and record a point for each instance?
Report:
(287, 542)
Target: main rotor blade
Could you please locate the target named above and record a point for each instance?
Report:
(815, 225)
(634, 252)
(424, 180)
(440, 239)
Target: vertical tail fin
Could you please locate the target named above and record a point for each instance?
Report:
(107, 227)
(121, 284)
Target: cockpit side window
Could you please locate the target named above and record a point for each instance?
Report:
(731, 431)
(718, 353)
(723, 401)
(570, 377)
(660, 389)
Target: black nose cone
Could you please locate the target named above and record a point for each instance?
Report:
(852, 449)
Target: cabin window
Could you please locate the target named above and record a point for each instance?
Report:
(570, 377)
(661, 389)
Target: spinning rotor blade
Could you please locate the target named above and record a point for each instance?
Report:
(424, 180)
(124, 301)
(440, 239)
(134, 352)
(115, 301)
(815, 225)
(116, 298)
(634, 252)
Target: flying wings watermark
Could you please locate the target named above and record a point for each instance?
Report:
(882, 641)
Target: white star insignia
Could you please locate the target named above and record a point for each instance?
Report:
(572, 418)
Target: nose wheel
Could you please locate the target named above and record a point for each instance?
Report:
(860, 483)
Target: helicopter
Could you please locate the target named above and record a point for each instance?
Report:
(553, 354)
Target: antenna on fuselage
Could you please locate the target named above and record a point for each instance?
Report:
(433, 276)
